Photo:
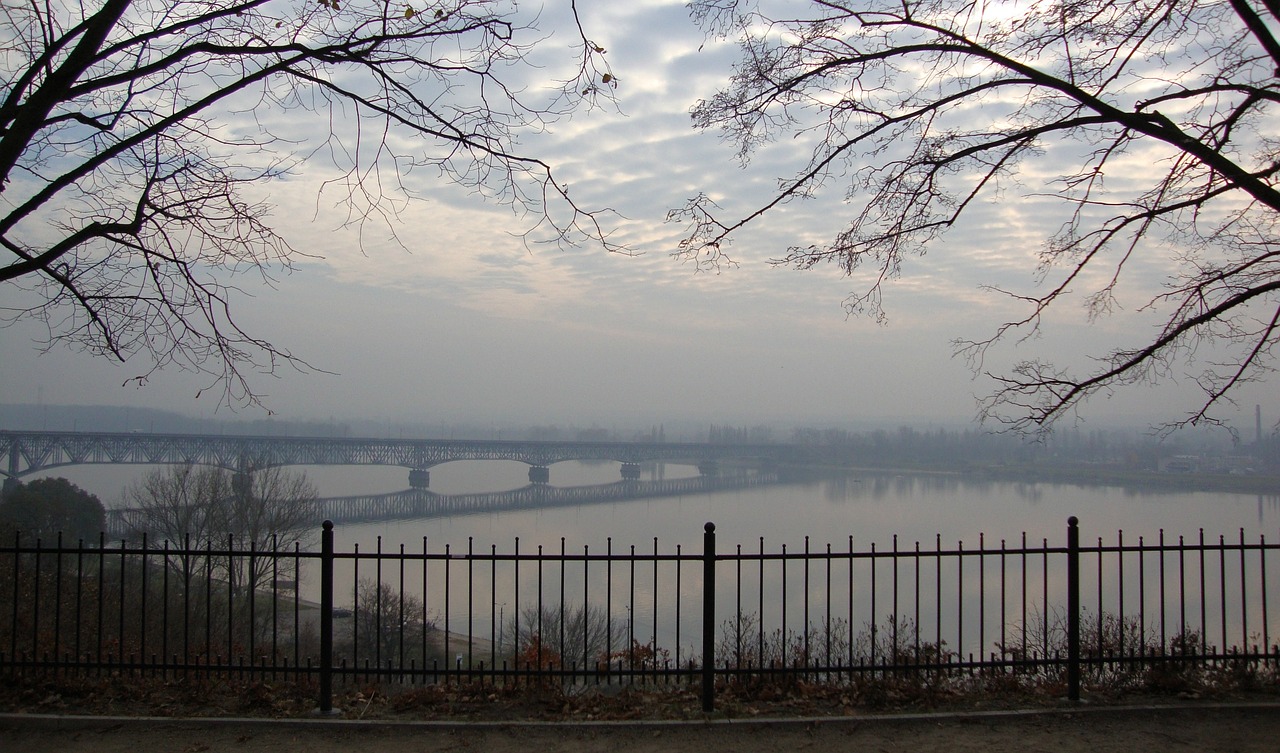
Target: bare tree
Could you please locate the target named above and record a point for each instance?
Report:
(224, 529)
(262, 506)
(126, 171)
(269, 506)
(924, 110)
(175, 503)
(390, 625)
(581, 637)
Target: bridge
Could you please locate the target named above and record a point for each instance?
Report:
(30, 452)
(413, 504)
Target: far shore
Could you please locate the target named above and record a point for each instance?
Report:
(1080, 474)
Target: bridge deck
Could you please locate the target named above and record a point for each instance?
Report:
(31, 452)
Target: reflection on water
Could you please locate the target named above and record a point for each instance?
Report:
(848, 512)
(870, 507)
(844, 488)
(422, 503)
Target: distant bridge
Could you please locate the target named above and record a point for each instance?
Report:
(412, 504)
(30, 452)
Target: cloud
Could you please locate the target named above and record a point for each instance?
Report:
(438, 307)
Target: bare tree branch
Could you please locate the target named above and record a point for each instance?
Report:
(123, 187)
(928, 107)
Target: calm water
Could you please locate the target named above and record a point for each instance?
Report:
(868, 507)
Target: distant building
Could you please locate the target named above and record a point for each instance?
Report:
(1199, 464)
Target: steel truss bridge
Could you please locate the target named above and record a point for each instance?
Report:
(30, 452)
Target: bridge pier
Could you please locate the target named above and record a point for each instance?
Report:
(539, 474)
(419, 479)
(630, 471)
(11, 481)
(709, 468)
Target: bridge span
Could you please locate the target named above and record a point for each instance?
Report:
(412, 504)
(30, 452)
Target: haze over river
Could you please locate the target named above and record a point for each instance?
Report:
(871, 507)
(949, 511)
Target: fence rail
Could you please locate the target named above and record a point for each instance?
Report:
(835, 614)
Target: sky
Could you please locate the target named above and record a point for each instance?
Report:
(462, 322)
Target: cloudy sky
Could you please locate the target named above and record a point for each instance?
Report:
(467, 324)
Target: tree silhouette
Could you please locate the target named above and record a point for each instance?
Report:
(1141, 130)
(131, 132)
(47, 507)
(264, 506)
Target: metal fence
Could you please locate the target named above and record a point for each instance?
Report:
(835, 614)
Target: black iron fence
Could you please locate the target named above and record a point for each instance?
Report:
(746, 614)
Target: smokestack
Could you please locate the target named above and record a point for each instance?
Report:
(1257, 423)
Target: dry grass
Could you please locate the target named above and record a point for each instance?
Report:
(771, 697)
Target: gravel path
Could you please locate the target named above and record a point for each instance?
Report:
(1234, 727)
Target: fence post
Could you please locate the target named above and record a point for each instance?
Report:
(326, 621)
(708, 617)
(1073, 608)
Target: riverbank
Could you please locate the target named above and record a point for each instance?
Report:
(1101, 475)
(1083, 475)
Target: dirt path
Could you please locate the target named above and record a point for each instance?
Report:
(1090, 730)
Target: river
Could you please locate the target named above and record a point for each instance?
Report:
(848, 511)
(869, 506)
